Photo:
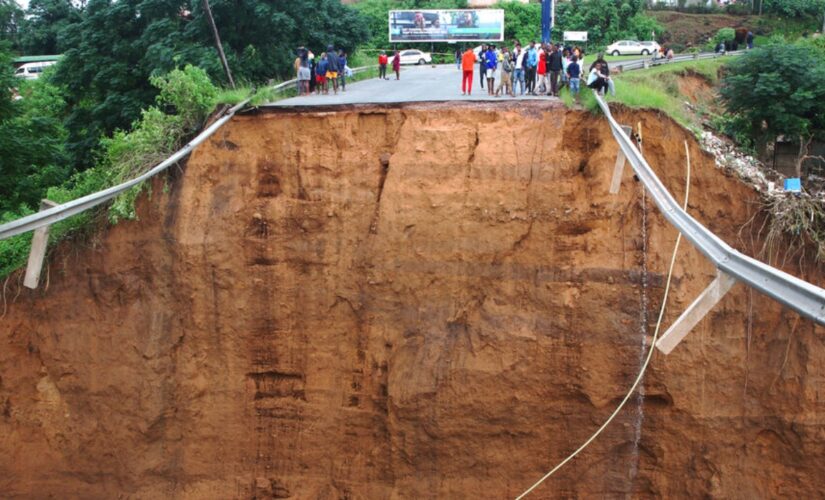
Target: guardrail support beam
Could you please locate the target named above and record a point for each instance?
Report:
(618, 170)
(40, 241)
(717, 289)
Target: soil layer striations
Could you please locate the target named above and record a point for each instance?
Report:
(422, 302)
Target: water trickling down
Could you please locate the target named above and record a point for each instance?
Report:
(639, 415)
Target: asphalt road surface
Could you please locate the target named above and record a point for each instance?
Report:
(417, 84)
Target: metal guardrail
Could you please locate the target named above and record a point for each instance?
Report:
(801, 296)
(68, 209)
(649, 62)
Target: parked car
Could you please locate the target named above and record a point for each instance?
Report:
(32, 71)
(413, 56)
(629, 47)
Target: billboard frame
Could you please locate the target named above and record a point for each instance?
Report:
(456, 40)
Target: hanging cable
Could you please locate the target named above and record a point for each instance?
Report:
(647, 360)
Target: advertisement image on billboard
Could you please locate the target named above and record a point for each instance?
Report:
(446, 25)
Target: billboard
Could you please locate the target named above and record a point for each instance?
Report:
(446, 25)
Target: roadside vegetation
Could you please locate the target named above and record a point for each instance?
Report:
(658, 88)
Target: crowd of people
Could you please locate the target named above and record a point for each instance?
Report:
(321, 74)
(538, 69)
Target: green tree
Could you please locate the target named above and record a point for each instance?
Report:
(119, 44)
(11, 17)
(31, 140)
(783, 98)
(794, 8)
(42, 31)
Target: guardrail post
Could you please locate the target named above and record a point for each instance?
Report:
(646, 64)
(40, 241)
(718, 288)
(618, 169)
(696, 56)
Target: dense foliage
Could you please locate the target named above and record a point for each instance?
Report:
(32, 141)
(793, 8)
(42, 33)
(11, 17)
(185, 98)
(783, 98)
(118, 45)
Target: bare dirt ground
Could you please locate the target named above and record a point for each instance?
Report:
(431, 301)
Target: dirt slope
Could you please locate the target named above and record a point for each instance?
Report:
(427, 302)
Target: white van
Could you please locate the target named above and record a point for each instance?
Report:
(32, 71)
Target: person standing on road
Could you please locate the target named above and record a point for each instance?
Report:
(304, 73)
(468, 63)
(565, 62)
(333, 68)
(555, 66)
(313, 76)
(574, 72)
(321, 70)
(531, 60)
(297, 66)
(458, 58)
(518, 72)
(506, 74)
(492, 63)
(382, 65)
(342, 73)
(482, 65)
(541, 70)
(396, 65)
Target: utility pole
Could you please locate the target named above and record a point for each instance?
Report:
(218, 42)
(547, 20)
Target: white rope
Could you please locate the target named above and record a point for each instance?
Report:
(647, 360)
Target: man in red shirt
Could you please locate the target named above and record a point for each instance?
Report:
(382, 65)
(468, 63)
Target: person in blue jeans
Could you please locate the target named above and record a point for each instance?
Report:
(574, 73)
(530, 63)
(519, 58)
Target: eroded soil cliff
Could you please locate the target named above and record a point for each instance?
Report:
(431, 301)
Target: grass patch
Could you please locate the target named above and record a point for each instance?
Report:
(655, 88)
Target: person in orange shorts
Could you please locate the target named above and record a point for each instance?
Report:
(333, 68)
(321, 71)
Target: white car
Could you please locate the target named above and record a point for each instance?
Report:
(628, 47)
(32, 71)
(413, 56)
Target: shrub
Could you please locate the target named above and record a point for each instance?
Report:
(724, 35)
(185, 98)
